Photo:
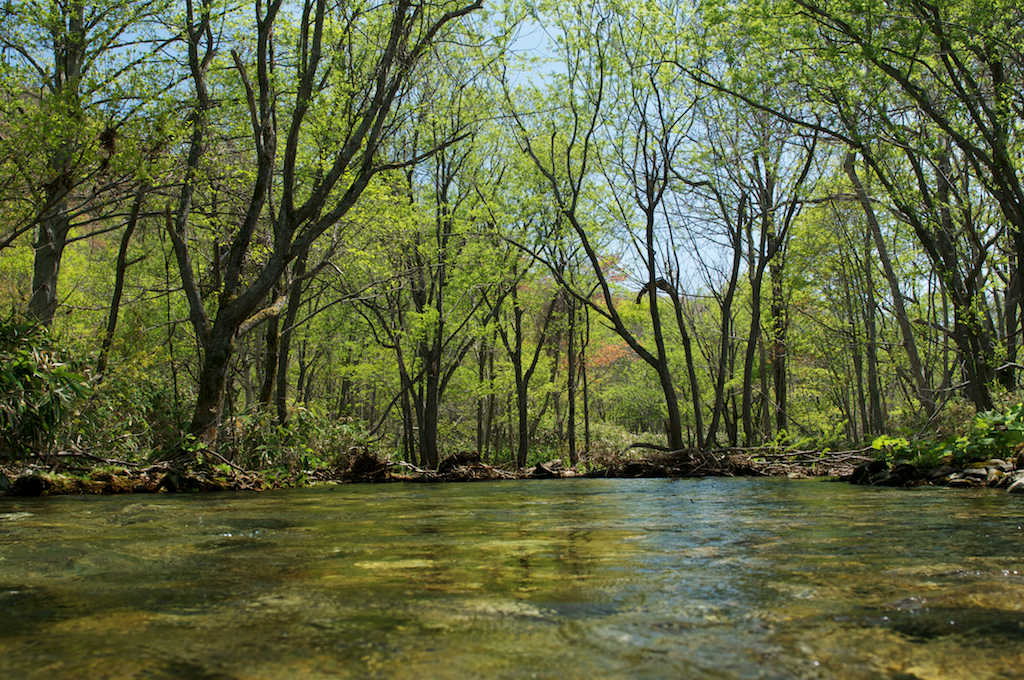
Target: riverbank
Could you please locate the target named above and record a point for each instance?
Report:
(994, 473)
(74, 477)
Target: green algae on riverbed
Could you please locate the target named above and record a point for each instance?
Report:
(714, 578)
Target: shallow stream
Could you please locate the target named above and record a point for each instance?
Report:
(559, 579)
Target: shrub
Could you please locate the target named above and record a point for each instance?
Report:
(990, 434)
(311, 439)
(39, 388)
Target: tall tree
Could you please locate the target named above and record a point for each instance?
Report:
(922, 388)
(74, 103)
(934, 81)
(582, 140)
(349, 70)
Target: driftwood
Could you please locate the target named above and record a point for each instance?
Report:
(797, 463)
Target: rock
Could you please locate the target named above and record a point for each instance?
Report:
(1014, 479)
(366, 466)
(907, 472)
(864, 472)
(940, 473)
(540, 471)
(5, 484)
(29, 485)
(998, 464)
(960, 480)
(887, 478)
(995, 477)
(975, 472)
(173, 482)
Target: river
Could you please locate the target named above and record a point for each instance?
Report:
(558, 579)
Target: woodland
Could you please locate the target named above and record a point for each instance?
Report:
(262, 235)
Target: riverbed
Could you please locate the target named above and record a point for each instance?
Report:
(557, 579)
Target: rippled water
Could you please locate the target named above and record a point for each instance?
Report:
(714, 578)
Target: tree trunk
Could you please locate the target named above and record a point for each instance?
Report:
(779, 351)
(212, 383)
(51, 238)
(571, 377)
(119, 275)
(875, 419)
(753, 335)
(428, 444)
(271, 359)
(287, 333)
(586, 386)
(725, 355)
(924, 392)
(1007, 373)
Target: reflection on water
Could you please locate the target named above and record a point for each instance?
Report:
(715, 578)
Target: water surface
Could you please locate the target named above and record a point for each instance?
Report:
(563, 579)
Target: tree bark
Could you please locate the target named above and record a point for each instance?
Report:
(288, 332)
(51, 239)
(923, 389)
(119, 276)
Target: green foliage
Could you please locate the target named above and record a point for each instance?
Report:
(995, 434)
(39, 388)
(890, 448)
(991, 434)
(133, 411)
(311, 439)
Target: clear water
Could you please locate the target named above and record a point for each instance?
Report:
(563, 579)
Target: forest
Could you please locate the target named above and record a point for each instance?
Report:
(263, 235)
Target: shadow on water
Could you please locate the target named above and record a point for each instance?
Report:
(980, 627)
(717, 578)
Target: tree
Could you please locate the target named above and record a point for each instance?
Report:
(350, 71)
(568, 151)
(74, 111)
(922, 388)
(932, 82)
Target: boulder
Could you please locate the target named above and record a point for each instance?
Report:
(1015, 482)
(864, 472)
(887, 478)
(29, 484)
(940, 473)
(542, 471)
(365, 466)
(997, 464)
(975, 472)
(908, 473)
(962, 480)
